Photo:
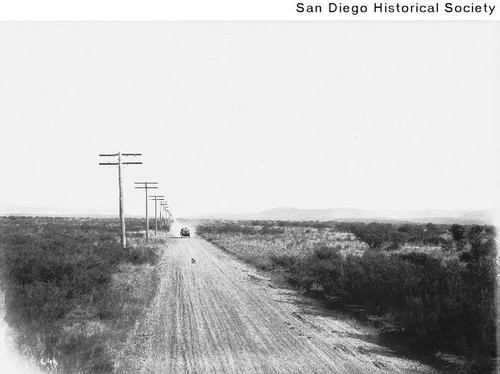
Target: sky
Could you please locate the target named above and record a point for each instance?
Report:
(235, 117)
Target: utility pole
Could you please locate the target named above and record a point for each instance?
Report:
(145, 186)
(156, 199)
(164, 206)
(162, 213)
(118, 162)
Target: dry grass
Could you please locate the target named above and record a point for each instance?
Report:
(130, 291)
(295, 241)
(439, 297)
(75, 323)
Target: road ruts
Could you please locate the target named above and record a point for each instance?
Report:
(213, 314)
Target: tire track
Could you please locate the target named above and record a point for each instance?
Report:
(214, 315)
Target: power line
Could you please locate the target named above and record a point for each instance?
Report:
(164, 206)
(156, 199)
(120, 163)
(146, 186)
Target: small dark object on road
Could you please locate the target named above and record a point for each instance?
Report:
(193, 260)
(185, 232)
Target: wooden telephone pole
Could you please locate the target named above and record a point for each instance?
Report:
(164, 206)
(156, 198)
(120, 164)
(145, 186)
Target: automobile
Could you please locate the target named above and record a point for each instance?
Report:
(185, 232)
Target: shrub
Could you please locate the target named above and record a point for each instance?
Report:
(439, 304)
(441, 301)
(143, 255)
(374, 234)
(231, 227)
(326, 268)
(49, 267)
(458, 232)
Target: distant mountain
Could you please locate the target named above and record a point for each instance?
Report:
(343, 214)
(295, 214)
(50, 212)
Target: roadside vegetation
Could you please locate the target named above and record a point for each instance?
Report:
(71, 291)
(432, 284)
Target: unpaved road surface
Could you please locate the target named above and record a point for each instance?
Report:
(213, 314)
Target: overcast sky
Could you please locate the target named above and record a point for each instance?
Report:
(246, 116)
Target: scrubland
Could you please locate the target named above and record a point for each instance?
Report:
(432, 286)
(71, 292)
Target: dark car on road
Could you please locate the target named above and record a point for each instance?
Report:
(185, 232)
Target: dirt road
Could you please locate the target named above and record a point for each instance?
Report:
(213, 314)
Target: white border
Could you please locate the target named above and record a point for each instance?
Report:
(237, 10)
